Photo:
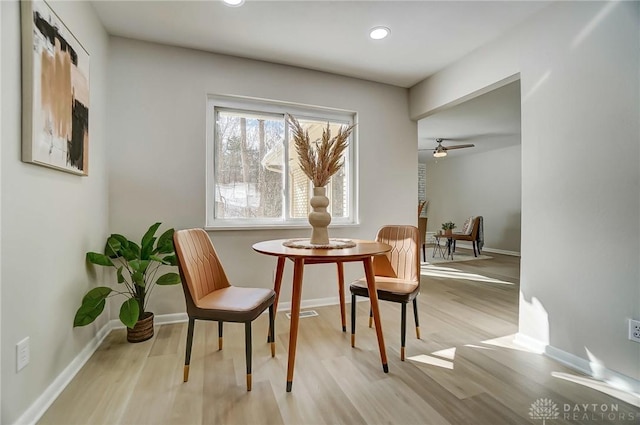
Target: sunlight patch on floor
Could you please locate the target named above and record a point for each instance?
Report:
(507, 341)
(447, 353)
(477, 346)
(448, 272)
(628, 397)
(432, 361)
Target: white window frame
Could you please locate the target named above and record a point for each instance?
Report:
(226, 102)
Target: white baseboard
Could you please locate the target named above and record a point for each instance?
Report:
(318, 302)
(499, 251)
(571, 360)
(487, 249)
(165, 319)
(158, 319)
(597, 371)
(42, 403)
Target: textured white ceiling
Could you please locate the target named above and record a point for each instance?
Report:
(329, 36)
(490, 121)
(332, 36)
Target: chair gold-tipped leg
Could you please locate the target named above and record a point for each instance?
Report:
(370, 321)
(353, 340)
(220, 325)
(273, 349)
(248, 382)
(418, 332)
(187, 357)
(402, 353)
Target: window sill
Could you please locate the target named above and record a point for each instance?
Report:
(286, 226)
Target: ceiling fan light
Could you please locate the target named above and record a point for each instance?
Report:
(233, 3)
(439, 153)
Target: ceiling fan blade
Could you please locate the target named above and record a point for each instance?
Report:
(458, 147)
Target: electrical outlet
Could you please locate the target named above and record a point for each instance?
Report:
(22, 354)
(634, 330)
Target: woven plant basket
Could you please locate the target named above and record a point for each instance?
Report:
(143, 330)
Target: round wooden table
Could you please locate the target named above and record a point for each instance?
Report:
(363, 251)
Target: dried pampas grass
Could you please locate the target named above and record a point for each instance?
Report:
(323, 160)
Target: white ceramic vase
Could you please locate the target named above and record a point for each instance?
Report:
(319, 218)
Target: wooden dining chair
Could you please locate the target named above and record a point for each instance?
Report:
(397, 275)
(422, 232)
(422, 229)
(210, 296)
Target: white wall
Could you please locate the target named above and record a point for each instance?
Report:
(157, 152)
(578, 63)
(49, 220)
(1, 138)
(486, 184)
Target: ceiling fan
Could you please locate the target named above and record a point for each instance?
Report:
(441, 151)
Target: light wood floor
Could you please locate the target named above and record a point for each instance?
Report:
(464, 370)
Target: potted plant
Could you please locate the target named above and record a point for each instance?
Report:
(136, 269)
(448, 227)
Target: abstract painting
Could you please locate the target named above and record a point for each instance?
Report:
(55, 104)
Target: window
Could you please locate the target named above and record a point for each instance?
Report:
(252, 166)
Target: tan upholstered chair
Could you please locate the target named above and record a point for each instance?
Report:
(473, 237)
(210, 296)
(422, 230)
(397, 276)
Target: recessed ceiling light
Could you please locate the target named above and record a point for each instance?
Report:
(378, 33)
(233, 3)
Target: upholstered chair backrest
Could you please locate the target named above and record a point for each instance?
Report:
(403, 261)
(201, 270)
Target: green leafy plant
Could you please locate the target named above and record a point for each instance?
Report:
(136, 269)
(449, 225)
